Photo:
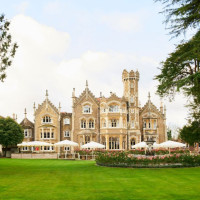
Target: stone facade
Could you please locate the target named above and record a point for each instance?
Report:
(117, 122)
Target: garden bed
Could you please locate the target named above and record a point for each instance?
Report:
(124, 159)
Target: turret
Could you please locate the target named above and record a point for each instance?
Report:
(130, 81)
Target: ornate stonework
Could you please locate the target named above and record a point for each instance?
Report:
(117, 122)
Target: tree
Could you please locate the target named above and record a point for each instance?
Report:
(181, 71)
(11, 133)
(169, 134)
(7, 48)
(181, 15)
(191, 133)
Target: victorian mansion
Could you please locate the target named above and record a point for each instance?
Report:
(116, 122)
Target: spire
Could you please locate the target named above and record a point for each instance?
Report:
(149, 106)
(34, 107)
(161, 106)
(149, 96)
(59, 106)
(86, 89)
(73, 93)
(25, 112)
(86, 84)
(47, 94)
(165, 110)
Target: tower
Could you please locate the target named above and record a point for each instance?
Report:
(130, 81)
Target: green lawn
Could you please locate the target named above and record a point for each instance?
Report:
(61, 179)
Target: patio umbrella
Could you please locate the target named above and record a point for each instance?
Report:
(156, 145)
(93, 145)
(66, 143)
(140, 145)
(172, 144)
(37, 144)
(22, 144)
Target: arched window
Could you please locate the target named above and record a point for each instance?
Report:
(144, 124)
(87, 139)
(83, 123)
(86, 109)
(103, 123)
(132, 142)
(132, 124)
(46, 119)
(91, 123)
(132, 99)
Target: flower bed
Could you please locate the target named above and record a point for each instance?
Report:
(159, 151)
(124, 159)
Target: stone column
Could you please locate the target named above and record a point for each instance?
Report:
(120, 141)
(107, 142)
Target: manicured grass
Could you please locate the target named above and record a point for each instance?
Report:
(61, 179)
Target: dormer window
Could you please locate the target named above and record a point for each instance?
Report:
(86, 109)
(47, 119)
(114, 108)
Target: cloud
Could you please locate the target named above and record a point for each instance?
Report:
(52, 7)
(42, 63)
(123, 21)
(22, 7)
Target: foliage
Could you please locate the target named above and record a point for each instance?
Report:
(181, 71)
(124, 159)
(169, 134)
(7, 48)
(137, 151)
(191, 133)
(181, 14)
(11, 132)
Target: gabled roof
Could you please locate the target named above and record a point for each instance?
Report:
(85, 94)
(46, 101)
(27, 123)
(113, 96)
(149, 106)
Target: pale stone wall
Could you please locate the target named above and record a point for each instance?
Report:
(47, 109)
(35, 156)
(78, 132)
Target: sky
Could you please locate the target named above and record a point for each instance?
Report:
(63, 43)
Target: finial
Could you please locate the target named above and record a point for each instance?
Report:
(86, 84)
(149, 96)
(73, 93)
(47, 94)
(34, 106)
(25, 112)
(59, 106)
(100, 94)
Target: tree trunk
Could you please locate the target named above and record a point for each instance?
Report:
(6, 148)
